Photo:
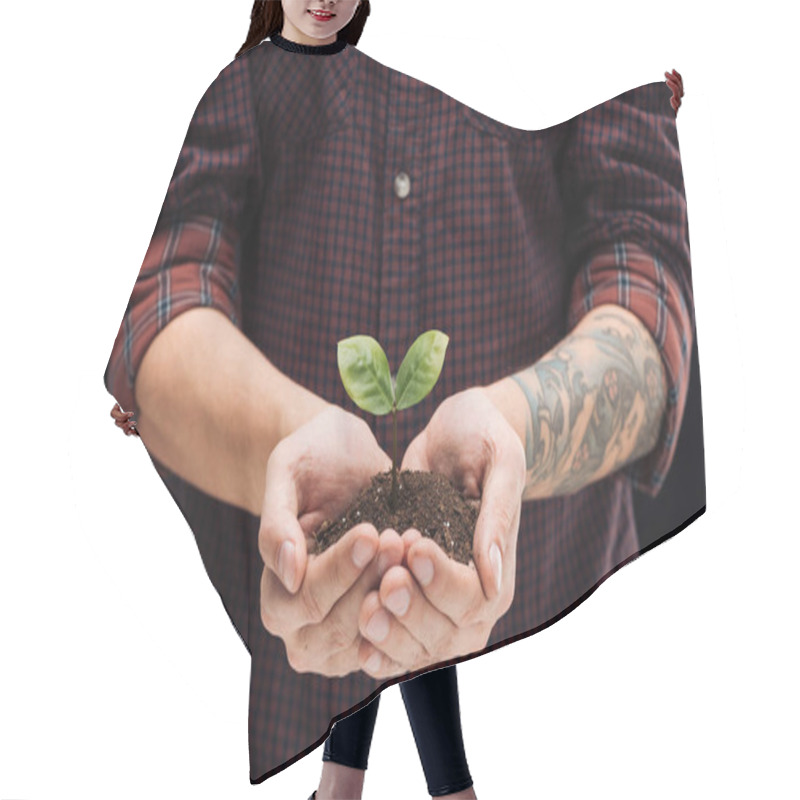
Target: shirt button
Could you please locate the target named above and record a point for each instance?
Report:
(402, 185)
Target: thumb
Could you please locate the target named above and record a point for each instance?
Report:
(281, 540)
(494, 543)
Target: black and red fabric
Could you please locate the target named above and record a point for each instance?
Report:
(502, 237)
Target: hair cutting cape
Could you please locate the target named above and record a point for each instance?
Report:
(321, 196)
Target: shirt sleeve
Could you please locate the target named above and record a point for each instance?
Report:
(193, 256)
(627, 240)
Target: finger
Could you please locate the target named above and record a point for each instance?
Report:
(494, 543)
(452, 588)
(675, 89)
(281, 540)
(339, 629)
(391, 551)
(319, 661)
(329, 576)
(334, 665)
(675, 81)
(275, 601)
(376, 664)
(332, 573)
(401, 597)
(409, 537)
(348, 606)
(379, 627)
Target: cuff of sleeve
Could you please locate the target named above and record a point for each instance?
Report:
(188, 264)
(627, 276)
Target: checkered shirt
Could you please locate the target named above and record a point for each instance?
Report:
(285, 213)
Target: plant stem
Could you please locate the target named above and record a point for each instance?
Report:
(393, 495)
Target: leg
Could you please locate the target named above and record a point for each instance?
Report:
(345, 755)
(433, 711)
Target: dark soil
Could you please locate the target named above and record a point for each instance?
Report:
(426, 501)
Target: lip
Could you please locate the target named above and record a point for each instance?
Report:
(321, 16)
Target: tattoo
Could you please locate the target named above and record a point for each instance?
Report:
(596, 403)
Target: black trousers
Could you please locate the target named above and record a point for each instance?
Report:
(431, 702)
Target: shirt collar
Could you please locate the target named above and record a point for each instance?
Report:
(311, 49)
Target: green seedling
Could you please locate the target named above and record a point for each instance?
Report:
(365, 373)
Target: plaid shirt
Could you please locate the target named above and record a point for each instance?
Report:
(319, 197)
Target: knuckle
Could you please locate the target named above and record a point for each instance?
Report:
(479, 638)
(276, 624)
(337, 669)
(338, 636)
(267, 619)
(471, 640)
(298, 661)
(503, 518)
(466, 617)
(434, 649)
(312, 607)
(362, 426)
(299, 653)
(265, 539)
(352, 429)
(472, 614)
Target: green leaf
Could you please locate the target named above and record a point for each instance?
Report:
(365, 374)
(420, 368)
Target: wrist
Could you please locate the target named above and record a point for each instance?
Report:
(299, 407)
(509, 399)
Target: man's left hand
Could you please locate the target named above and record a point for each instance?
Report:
(432, 608)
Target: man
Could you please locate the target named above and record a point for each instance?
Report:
(557, 261)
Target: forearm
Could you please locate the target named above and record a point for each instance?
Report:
(212, 407)
(589, 406)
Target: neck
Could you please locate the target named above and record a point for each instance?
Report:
(332, 46)
(293, 34)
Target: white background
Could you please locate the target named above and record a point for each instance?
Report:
(120, 674)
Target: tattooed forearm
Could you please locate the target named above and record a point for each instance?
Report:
(596, 403)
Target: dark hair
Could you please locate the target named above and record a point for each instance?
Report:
(266, 19)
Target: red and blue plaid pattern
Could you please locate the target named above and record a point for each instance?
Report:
(282, 214)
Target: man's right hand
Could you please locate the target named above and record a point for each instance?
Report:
(312, 602)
